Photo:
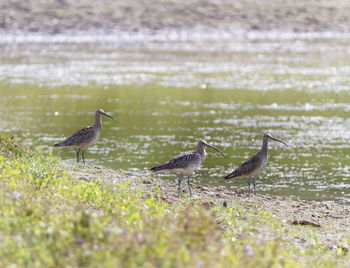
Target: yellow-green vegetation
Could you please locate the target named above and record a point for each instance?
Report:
(51, 219)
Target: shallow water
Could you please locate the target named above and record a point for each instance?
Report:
(167, 91)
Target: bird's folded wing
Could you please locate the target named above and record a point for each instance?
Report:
(80, 136)
(181, 161)
(246, 168)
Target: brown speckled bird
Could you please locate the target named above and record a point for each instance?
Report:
(253, 166)
(186, 163)
(86, 137)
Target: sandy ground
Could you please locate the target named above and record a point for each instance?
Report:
(59, 16)
(331, 219)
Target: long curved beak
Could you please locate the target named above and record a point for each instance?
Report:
(216, 149)
(109, 116)
(279, 141)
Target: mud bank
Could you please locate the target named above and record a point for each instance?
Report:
(58, 16)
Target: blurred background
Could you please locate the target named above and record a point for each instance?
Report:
(173, 72)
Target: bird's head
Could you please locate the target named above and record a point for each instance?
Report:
(268, 136)
(202, 143)
(100, 112)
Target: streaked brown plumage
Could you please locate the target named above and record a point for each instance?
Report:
(85, 137)
(186, 163)
(253, 166)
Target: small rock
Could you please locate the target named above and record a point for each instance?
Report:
(207, 205)
(83, 179)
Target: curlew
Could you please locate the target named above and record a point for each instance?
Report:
(253, 166)
(186, 163)
(86, 137)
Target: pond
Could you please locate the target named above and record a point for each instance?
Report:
(168, 90)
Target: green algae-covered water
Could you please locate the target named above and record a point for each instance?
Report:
(168, 90)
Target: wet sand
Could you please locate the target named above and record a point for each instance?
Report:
(106, 16)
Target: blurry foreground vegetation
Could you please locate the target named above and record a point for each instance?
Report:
(49, 219)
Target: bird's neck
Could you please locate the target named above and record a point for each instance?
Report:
(98, 121)
(202, 152)
(265, 146)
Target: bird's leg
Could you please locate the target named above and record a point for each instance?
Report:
(83, 156)
(189, 185)
(179, 185)
(78, 155)
(254, 184)
(249, 186)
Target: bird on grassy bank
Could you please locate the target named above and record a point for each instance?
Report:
(86, 137)
(186, 163)
(253, 166)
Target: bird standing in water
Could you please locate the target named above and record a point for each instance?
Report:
(253, 166)
(86, 137)
(186, 163)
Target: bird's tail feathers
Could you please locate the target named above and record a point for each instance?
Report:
(230, 176)
(158, 168)
(58, 144)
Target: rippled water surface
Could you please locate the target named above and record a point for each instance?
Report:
(167, 91)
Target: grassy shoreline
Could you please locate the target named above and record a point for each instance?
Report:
(59, 214)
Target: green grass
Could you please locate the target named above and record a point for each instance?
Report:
(49, 219)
